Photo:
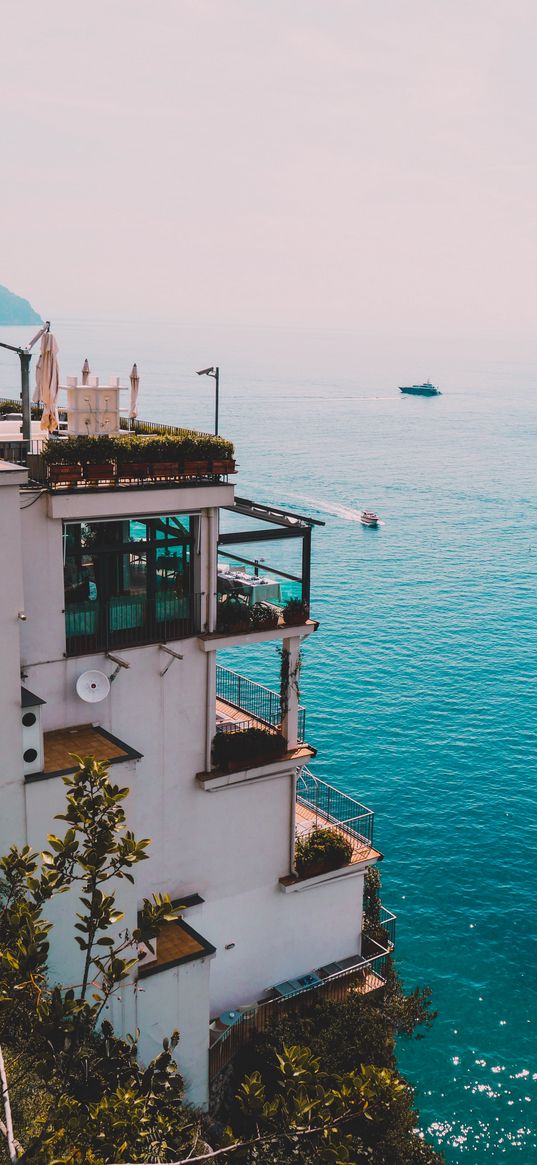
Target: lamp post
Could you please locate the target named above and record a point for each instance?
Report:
(213, 371)
(25, 356)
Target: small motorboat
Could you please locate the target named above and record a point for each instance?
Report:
(368, 518)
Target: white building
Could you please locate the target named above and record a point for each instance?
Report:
(130, 578)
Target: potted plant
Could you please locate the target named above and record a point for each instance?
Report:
(265, 617)
(320, 851)
(233, 615)
(295, 613)
(246, 748)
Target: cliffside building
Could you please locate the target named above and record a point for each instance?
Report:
(117, 588)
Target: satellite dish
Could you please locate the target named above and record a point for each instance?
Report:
(92, 686)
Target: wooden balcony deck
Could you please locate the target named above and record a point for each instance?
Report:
(309, 819)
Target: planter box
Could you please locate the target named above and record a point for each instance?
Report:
(133, 471)
(223, 465)
(195, 468)
(166, 470)
(104, 472)
(64, 474)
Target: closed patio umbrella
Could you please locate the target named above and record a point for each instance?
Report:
(47, 380)
(85, 372)
(135, 384)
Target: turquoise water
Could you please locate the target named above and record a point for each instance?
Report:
(421, 684)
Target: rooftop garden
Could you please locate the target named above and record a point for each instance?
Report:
(132, 457)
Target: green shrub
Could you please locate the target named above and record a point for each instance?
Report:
(131, 448)
(234, 615)
(238, 749)
(264, 617)
(322, 850)
(15, 406)
(295, 612)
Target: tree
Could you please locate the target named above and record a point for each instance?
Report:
(356, 1035)
(55, 1034)
(320, 1088)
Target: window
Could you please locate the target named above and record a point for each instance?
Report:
(128, 581)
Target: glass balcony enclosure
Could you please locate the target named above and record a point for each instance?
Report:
(265, 559)
(128, 581)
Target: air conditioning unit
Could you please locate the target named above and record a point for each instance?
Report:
(341, 965)
(32, 732)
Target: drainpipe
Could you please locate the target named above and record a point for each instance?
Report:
(210, 688)
(293, 822)
(210, 707)
(212, 568)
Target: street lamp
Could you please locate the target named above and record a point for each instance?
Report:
(213, 371)
(25, 355)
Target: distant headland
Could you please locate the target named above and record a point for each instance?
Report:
(15, 310)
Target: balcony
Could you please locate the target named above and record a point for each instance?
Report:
(257, 599)
(231, 1031)
(256, 704)
(320, 806)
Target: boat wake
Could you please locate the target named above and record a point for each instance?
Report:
(339, 511)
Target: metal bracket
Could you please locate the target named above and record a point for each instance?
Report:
(174, 654)
(119, 662)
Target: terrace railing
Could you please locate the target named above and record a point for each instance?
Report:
(129, 621)
(365, 976)
(387, 921)
(329, 806)
(148, 427)
(254, 699)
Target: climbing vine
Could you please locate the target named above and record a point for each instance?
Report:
(289, 678)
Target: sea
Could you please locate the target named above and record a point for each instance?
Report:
(421, 683)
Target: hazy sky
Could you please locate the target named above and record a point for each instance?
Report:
(353, 163)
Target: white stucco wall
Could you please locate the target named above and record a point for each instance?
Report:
(178, 998)
(277, 936)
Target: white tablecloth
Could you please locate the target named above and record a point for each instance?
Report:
(257, 590)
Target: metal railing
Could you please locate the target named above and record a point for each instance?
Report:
(329, 806)
(14, 452)
(365, 976)
(148, 427)
(59, 476)
(130, 621)
(387, 922)
(131, 426)
(254, 699)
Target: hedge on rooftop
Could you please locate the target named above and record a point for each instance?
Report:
(133, 448)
